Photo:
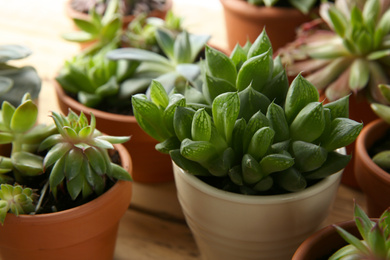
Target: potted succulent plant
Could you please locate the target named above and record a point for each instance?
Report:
(362, 238)
(252, 157)
(245, 19)
(81, 9)
(345, 53)
(61, 194)
(372, 159)
(15, 81)
(104, 87)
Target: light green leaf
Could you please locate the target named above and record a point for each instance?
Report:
(261, 142)
(220, 66)
(24, 117)
(278, 122)
(225, 110)
(201, 126)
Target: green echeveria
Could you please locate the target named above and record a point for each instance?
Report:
(253, 133)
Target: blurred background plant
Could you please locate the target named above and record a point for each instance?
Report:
(375, 242)
(16, 81)
(126, 7)
(303, 6)
(346, 51)
(91, 78)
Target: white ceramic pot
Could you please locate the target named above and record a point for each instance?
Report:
(235, 226)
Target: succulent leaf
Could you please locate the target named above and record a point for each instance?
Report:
(309, 124)
(225, 111)
(220, 66)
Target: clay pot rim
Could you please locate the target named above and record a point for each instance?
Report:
(72, 13)
(70, 102)
(262, 199)
(252, 11)
(84, 209)
(361, 147)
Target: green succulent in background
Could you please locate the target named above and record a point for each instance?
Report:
(95, 79)
(71, 154)
(375, 242)
(141, 32)
(302, 5)
(352, 55)
(258, 136)
(177, 66)
(16, 199)
(100, 29)
(16, 81)
(383, 111)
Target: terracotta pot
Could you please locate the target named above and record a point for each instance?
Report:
(148, 164)
(85, 232)
(360, 111)
(323, 243)
(373, 180)
(72, 13)
(232, 226)
(245, 21)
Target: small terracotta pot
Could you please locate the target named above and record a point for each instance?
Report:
(373, 180)
(323, 243)
(149, 165)
(360, 111)
(72, 13)
(85, 232)
(245, 21)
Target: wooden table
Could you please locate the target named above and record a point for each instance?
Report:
(153, 227)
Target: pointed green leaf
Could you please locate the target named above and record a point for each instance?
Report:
(291, 180)
(75, 186)
(308, 156)
(158, 94)
(201, 126)
(275, 163)
(166, 42)
(309, 124)
(343, 132)
(225, 111)
(256, 71)
(339, 107)
(261, 45)
(55, 153)
(183, 122)
(278, 122)
(300, 93)
(182, 48)
(120, 173)
(261, 142)
(359, 75)
(220, 66)
(252, 101)
(334, 163)
(198, 151)
(251, 170)
(57, 175)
